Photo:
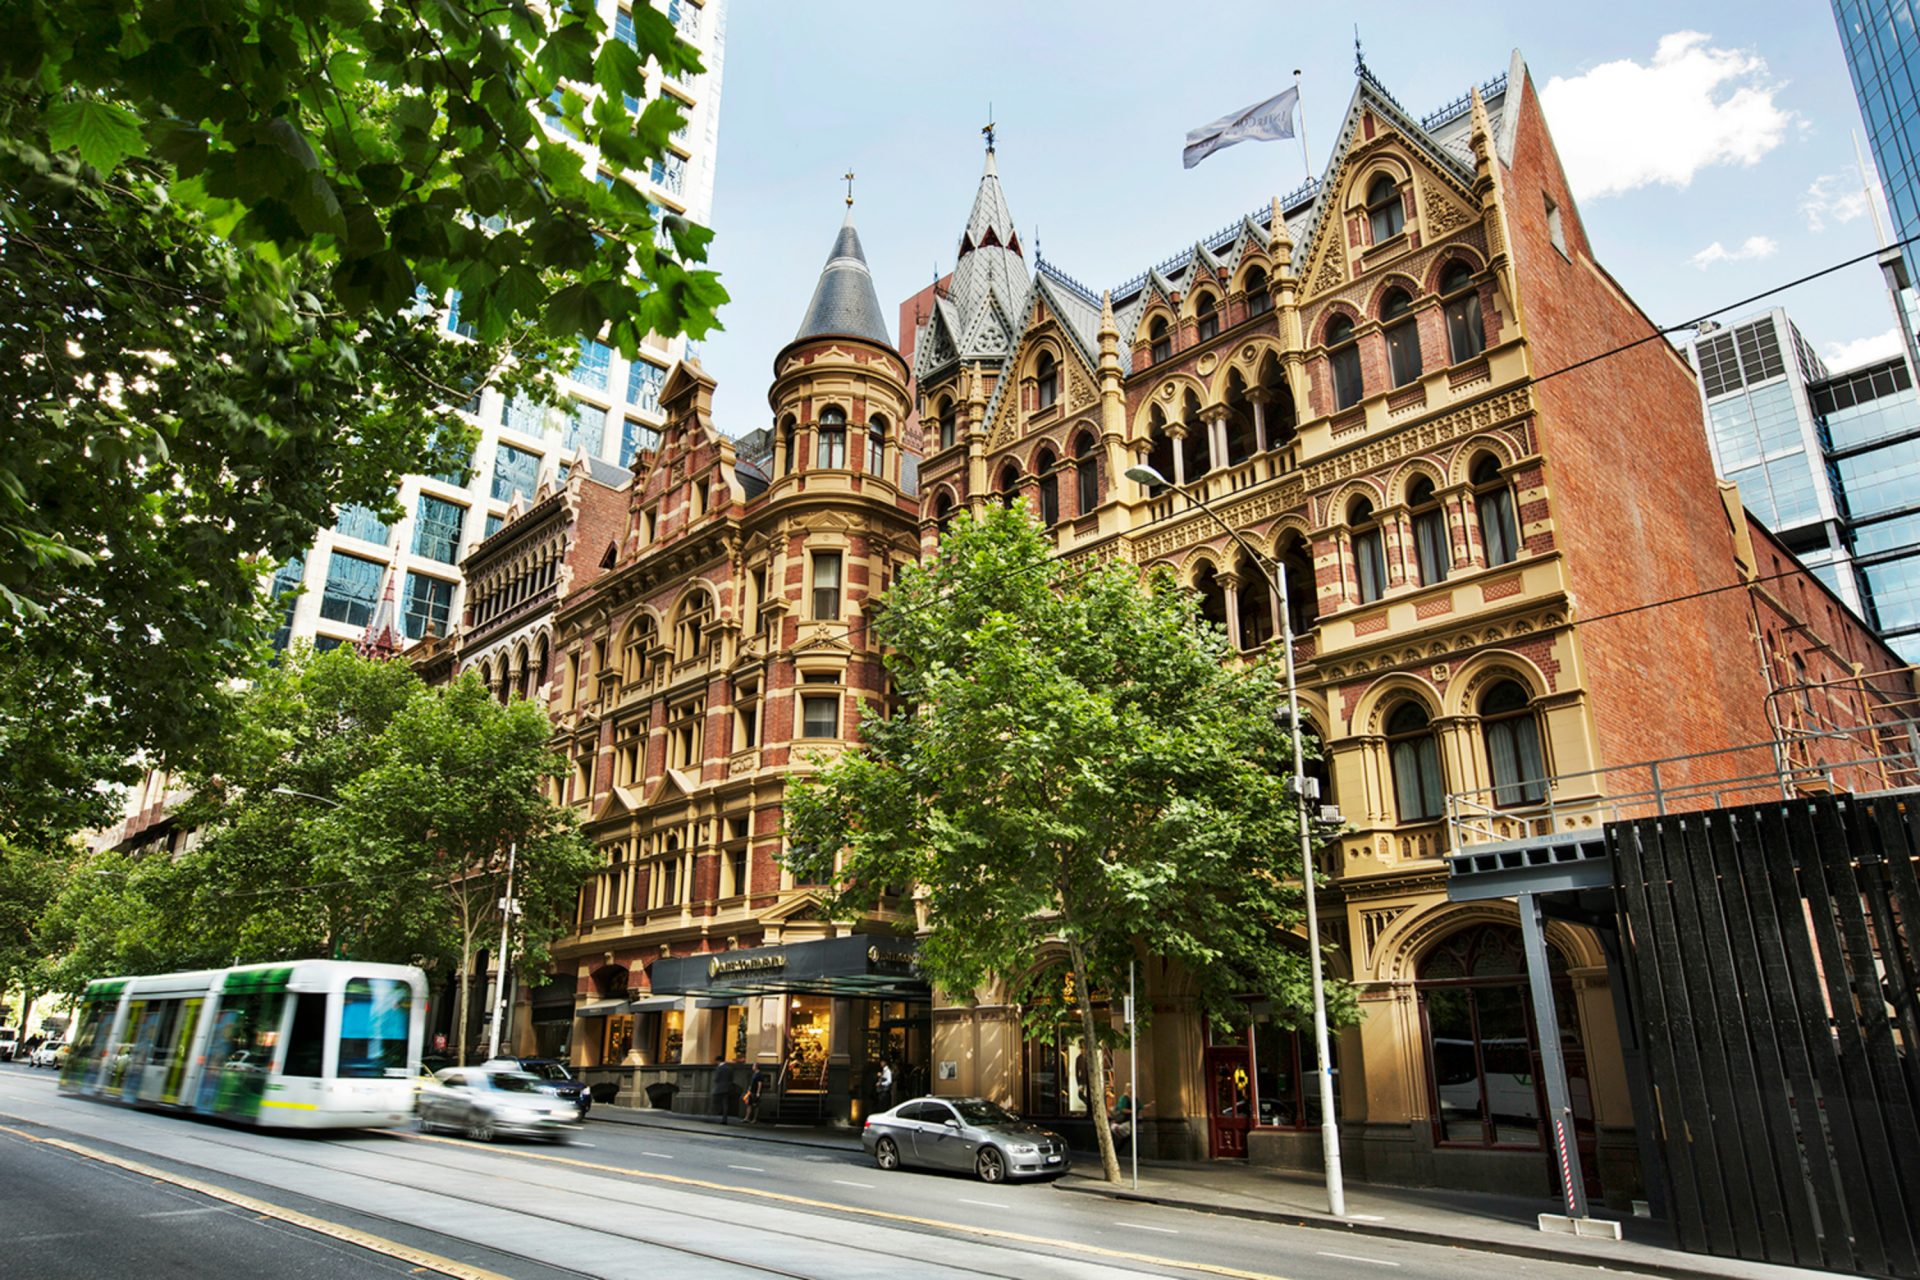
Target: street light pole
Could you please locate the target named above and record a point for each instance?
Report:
(1329, 1122)
(500, 1006)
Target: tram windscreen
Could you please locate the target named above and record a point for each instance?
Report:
(374, 1018)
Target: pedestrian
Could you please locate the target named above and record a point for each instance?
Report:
(883, 1086)
(756, 1085)
(1121, 1120)
(723, 1086)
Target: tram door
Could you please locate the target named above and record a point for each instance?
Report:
(1229, 1084)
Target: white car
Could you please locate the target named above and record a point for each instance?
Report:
(9, 1044)
(50, 1054)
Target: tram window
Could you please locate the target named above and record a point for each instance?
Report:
(373, 1028)
(306, 1043)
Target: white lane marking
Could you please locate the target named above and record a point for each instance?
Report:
(1367, 1217)
(181, 1213)
(986, 1204)
(51, 1235)
(657, 1155)
(1354, 1257)
(1141, 1226)
(747, 1168)
(843, 1182)
(583, 1144)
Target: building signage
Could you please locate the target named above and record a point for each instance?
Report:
(890, 958)
(746, 964)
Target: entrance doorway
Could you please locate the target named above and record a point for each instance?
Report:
(1229, 1084)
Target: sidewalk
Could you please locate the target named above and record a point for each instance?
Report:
(1465, 1220)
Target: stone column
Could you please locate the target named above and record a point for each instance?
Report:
(1177, 432)
(1215, 416)
(1230, 588)
(1260, 397)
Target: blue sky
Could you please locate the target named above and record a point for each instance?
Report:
(1683, 127)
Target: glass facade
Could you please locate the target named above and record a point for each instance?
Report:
(514, 471)
(595, 364)
(436, 529)
(1882, 47)
(529, 417)
(428, 600)
(287, 581)
(353, 585)
(360, 522)
(584, 428)
(643, 385)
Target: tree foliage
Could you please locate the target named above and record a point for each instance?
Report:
(1075, 778)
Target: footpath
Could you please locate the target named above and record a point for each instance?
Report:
(1458, 1219)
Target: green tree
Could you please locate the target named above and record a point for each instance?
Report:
(31, 880)
(1073, 763)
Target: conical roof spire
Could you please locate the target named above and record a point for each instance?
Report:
(991, 264)
(381, 639)
(844, 302)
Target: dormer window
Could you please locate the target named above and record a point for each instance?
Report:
(1047, 377)
(1259, 297)
(1208, 311)
(1385, 212)
(1162, 343)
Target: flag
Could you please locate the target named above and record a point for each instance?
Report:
(1262, 122)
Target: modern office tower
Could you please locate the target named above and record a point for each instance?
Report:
(1882, 50)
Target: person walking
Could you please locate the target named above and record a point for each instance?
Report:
(883, 1086)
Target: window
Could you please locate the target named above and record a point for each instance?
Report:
(826, 584)
(876, 445)
(634, 436)
(1161, 347)
(1213, 597)
(1403, 337)
(1287, 1088)
(594, 365)
(515, 471)
(1303, 597)
(790, 444)
(1009, 485)
(746, 717)
(436, 529)
(1207, 309)
(287, 581)
(832, 443)
(1049, 487)
(429, 603)
(1429, 532)
(307, 1038)
(1555, 232)
(356, 521)
(352, 586)
(1047, 375)
(584, 429)
(529, 417)
(1343, 353)
(1086, 474)
(820, 716)
(1259, 297)
(685, 738)
(1466, 338)
(462, 470)
(374, 1018)
(672, 1030)
(1256, 606)
(493, 525)
(696, 613)
(1386, 213)
(1415, 762)
(733, 873)
(1513, 745)
(644, 381)
(943, 510)
(641, 640)
(949, 417)
(1369, 552)
(1499, 536)
(454, 323)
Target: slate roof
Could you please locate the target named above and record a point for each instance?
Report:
(844, 302)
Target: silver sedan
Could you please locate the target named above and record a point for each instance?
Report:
(966, 1135)
(486, 1104)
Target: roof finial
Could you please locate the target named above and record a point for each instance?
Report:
(848, 175)
(986, 130)
(1359, 58)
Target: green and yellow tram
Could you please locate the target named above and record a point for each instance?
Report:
(310, 1044)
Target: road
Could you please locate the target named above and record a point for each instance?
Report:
(623, 1200)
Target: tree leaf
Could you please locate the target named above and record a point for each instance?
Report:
(101, 132)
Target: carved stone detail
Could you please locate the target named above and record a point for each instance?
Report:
(1443, 215)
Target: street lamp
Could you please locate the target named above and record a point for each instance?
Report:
(1140, 473)
(306, 795)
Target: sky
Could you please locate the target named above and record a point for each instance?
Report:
(1709, 145)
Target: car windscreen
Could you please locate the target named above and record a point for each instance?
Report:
(548, 1070)
(976, 1112)
(513, 1081)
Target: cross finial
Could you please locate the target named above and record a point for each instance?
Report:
(848, 175)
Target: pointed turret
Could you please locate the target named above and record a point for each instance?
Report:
(990, 273)
(381, 639)
(844, 302)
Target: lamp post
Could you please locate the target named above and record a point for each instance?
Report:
(1140, 473)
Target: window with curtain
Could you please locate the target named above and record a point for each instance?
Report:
(1046, 373)
(1499, 534)
(1208, 311)
(876, 445)
(826, 584)
(1386, 215)
(1049, 488)
(1369, 552)
(1429, 532)
(1513, 745)
(1086, 475)
(1403, 337)
(831, 446)
(436, 529)
(1343, 355)
(820, 716)
(1414, 759)
(1461, 302)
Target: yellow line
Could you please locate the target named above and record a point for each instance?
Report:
(993, 1233)
(377, 1244)
(290, 1106)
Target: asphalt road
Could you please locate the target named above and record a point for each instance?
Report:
(623, 1200)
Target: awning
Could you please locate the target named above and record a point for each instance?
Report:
(654, 1004)
(601, 1008)
(878, 965)
(717, 1002)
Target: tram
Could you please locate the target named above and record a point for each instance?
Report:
(310, 1044)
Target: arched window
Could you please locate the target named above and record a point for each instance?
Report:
(691, 636)
(1259, 297)
(1199, 442)
(1465, 336)
(642, 638)
(949, 417)
(790, 440)
(1046, 372)
(1403, 337)
(1429, 532)
(1513, 745)
(1385, 212)
(1369, 551)
(1343, 353)
(1009, 485)
(1207, 309)
(1482, 1045)
(943, 510)
(1213, 596)
(1499, 535)
(1162, 344)
(1303, 594)
(1415, 761)
(1241, 440)
(1160, 453)
(1086, 467)
(1049, 474)
(876, 445)
(1282, 421)
(831, 450)
(1256, 605)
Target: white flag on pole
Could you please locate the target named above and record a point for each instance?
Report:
(1262, 122)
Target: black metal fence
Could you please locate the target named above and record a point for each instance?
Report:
(1773, 971)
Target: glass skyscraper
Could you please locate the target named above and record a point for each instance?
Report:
(1882, 47)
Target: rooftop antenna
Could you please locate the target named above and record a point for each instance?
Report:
(848, 175)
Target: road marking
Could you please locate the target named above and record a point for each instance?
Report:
(657, 1155)
(747, 1168)
(586, 1144)
(365, 1240)
(1354, 1257)
(843, 1182)
(1141, 1226)
(987, 1204)
(1367, 1217)
(883, 1215)
(181, 1213)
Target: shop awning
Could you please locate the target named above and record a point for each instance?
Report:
(601, 1008)
(874, 965)
(654, 1004)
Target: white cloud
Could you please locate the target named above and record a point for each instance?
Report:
(1752, 248)
(1625, 125)
(1834, 197)
(1845, 355)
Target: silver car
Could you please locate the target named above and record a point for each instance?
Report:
(486, 1103)
(966, 1135)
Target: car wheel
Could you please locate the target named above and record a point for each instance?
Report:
(886, 1154)
(990, 1165)
(480, 1129)
(426, 1125)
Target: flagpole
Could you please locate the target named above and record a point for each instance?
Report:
(1300, 104)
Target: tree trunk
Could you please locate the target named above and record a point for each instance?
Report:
(1096, 1069)
(466, 982)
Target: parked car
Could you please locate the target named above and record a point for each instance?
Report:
(554, 1077)
(51, 1053)
(966, 1134)
(9, 1043)
(487, 1103)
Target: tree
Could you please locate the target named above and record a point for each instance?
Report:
(1073, 764)
(31, 879)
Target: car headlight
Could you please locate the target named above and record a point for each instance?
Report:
(522, 1113)
(1024, 1149)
